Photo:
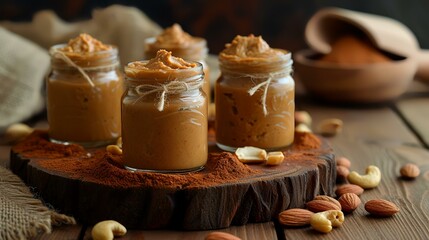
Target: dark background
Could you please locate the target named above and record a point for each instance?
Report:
(280, 22)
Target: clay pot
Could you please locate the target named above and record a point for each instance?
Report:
(366, 83)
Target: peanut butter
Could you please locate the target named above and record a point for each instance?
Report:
(84, 43)
(164, 115)
(254, 96)
(182, 45)
(84, 90)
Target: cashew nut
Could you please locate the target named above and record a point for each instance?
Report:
(371, 179)
(114, 149)
(119, 142)
(107, 230)
(17, 132)
(324, 221)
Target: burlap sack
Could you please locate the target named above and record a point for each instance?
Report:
(23, 66)
(21, 215)
(125, 27)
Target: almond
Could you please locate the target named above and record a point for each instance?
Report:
(321, 206)
(329, 199)
(342, 173)
(295, 217)
(410, 171)
(349, 202)
(381, 208)
(349, 188)
(221, 236)
(343, 161)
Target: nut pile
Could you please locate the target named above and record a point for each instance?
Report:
(327, 127)
(324, 213)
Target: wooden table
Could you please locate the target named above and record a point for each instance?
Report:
(387, 136)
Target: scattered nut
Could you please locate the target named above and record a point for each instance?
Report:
(342, 173)
(251, 155)
(381, 208)
(410, 171)
(321, 206)
(275, 158)
(330, 127)
(302, 128)
(107, 230)
(17, 132)
(329, 199)
(119, 142)
(295, 217)
(221, 236)
(371, 179)
(303, 117)
(349, 188)
(343, 161)
(114, 150)
(349, 202)
(324, 221)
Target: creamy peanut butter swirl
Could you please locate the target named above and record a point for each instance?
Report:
(164, 60)
(247, 48)
(174, 36)
(85, 43)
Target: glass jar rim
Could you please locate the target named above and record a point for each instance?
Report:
(113, 50)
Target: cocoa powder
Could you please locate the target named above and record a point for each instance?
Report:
(96, 165)
(354, 50)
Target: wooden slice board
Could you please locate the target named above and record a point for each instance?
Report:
(184, 203)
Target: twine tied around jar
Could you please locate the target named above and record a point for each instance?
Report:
(171, 87)
(82, 70)
(265, 84)
(63, 56)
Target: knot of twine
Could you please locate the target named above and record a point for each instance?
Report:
(61, 55)
(172, 87)
(265, 84)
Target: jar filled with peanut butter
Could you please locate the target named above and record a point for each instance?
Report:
(182, 45)
(84, 90)
(164, 115)
(254, 96)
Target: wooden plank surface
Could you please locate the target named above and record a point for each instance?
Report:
(62, 233)
(416, 112)
(261, 231)
(378, 137)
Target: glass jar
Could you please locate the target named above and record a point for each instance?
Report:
(194, 51)
(84, 97)
(255, 104)
(164, 120)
